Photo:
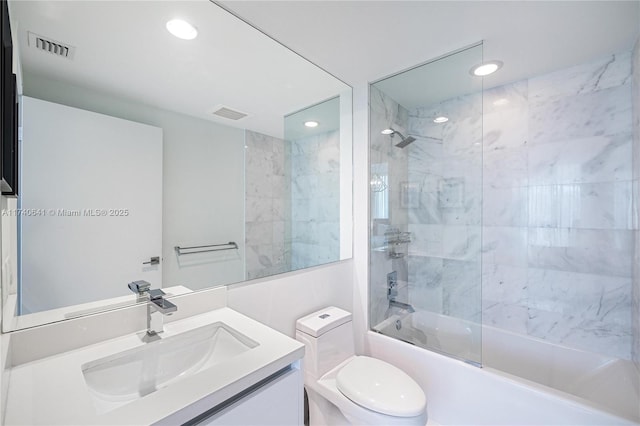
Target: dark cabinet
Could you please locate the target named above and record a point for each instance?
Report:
(8, 109)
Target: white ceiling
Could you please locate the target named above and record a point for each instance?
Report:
(364, 41)
(123, 48)
(436, 81)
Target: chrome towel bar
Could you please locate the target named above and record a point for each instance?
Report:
(216, 247)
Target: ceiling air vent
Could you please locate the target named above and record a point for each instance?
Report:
(51, 46)
(228, 113)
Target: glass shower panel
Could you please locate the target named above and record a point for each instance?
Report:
(426, 205)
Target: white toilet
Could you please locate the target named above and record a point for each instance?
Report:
(344, 389)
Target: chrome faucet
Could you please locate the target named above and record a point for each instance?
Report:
(392, 293)
(407, 307)
(157, 305)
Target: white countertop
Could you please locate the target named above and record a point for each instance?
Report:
(53, 391)
(19, 322)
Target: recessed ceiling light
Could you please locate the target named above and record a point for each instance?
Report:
(500, 102)
(441, 119)
(387, 131)
(486, 68)
(182, 29)
(311, 123)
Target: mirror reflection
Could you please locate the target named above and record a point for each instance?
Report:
(188, 161)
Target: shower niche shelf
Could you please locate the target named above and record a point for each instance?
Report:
(396, 243)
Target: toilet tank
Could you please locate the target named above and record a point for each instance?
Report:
(328, 338)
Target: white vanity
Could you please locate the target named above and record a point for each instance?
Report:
(217, 367)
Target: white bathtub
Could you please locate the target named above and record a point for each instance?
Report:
(523, 380)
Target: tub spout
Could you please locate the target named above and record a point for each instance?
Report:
(407, 307)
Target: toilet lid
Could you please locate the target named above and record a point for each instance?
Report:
(381, 387)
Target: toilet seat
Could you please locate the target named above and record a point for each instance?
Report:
(380, 387)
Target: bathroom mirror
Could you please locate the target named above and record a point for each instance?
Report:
(191, 161)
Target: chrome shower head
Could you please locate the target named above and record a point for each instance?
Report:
(404, 142)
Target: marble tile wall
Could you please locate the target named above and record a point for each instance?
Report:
(315, 200)
(445, 165)
(635, 319)
(385, 113)
(267, 206)
(536, 181)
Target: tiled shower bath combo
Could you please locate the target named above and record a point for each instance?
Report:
(522, 216)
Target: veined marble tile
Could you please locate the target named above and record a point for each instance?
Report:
(462, 135)
(424, 156)
(390, 112)
(425, 283)
(505, 245)
(461, 242)
(504, 206)
(258, 209)
(428, 212)
(278, 228)
(462, 107)
(257, 186)
(328, 234)
(607, 72)
(279, 166)
(259, 233)
(592, 297)
(260, 262)
(635, 301)
(635, 329)
(579, 333)
(599, 252)
(505, 168)
(304, 146)
(466, 166)
(462, 289)
(379, 266)
(504, 284)
(427, 112)
(425, 128)
(512, 317)
(280, 186)
(505, 128)
(592, 159)
(257, 141)
(259, 161)
(605, 112)
(328, 184)
(426, 239)
(466, 212)
(426, 182)
(304, 164)
(589, 205)
(328, 160)
(320, 209)
(305, 186)
(513, 96)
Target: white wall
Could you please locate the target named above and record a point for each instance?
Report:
(361, 214)
(203, 182)
(74, 161)
(279, 301)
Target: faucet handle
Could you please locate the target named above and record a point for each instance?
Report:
(139, 287)
(156, 293)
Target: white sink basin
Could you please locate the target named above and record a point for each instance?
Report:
(127, 376)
